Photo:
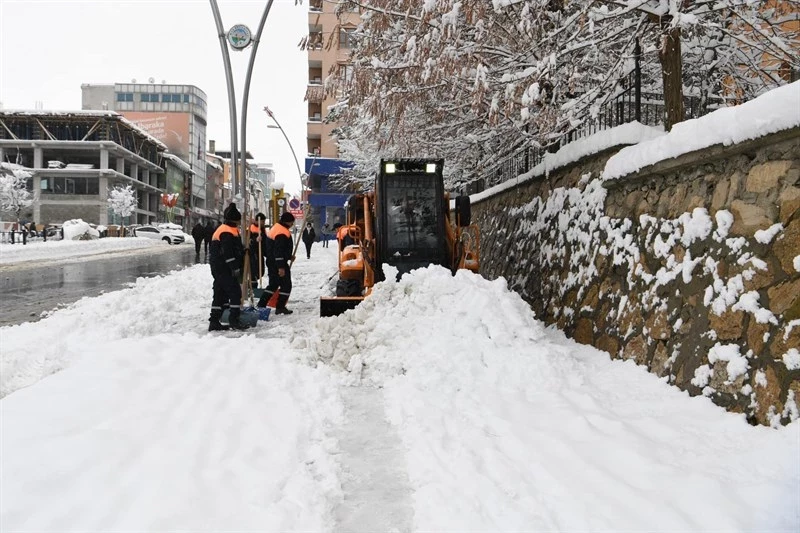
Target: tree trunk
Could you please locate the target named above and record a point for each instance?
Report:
(669, 53)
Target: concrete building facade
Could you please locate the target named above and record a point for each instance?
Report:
(175, 114)
(75, 157)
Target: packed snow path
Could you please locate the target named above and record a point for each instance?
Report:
(440, 404)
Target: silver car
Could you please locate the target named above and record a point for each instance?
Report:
(163, 234)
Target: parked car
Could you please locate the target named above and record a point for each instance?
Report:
(163, 234)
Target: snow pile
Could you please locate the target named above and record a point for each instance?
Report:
(482, 317)
(487, 401)
(65, 249)
(122, 314)
(771, 112)
(77, 229)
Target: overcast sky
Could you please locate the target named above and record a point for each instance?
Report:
(48, 48)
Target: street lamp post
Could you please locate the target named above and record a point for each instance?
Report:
(239, 38)
(277, 125)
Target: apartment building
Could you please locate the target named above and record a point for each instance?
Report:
(330, 38)
(175, 114)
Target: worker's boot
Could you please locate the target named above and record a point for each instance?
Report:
(214, 323)
(235, 321)
(280, 307)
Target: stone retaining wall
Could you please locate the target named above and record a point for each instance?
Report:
(689, 267)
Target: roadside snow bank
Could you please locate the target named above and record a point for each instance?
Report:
(52, 250)
(511, 426)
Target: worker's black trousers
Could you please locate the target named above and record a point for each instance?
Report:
(227, 293)
(276, 283)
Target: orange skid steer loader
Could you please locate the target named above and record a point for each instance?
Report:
(405, 222)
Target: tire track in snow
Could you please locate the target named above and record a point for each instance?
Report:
(377, 494)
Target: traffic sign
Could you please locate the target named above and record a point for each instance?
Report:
(294, 203)
(298, 213)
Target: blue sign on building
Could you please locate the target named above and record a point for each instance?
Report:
(327, 205)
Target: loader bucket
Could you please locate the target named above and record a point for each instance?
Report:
(335, 306)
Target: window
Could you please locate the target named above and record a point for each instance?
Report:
(176, 98)
(347, 38)
(124, 97)
(346, 73)
(61, 185)
(185, 98)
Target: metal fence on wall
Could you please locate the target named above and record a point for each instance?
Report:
(631, 104)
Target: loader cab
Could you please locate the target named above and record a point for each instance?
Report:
(410, 223)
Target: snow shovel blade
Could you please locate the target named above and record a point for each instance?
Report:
(335, 306)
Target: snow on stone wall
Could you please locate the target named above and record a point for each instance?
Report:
(686, 267)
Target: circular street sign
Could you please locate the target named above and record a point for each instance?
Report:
(294, 203)
(239, 37)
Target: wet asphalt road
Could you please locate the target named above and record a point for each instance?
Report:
(28, 290)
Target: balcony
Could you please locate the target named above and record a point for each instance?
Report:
(315, 94)
(315, 6)
(315, 117)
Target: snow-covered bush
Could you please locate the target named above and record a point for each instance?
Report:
(14, 196)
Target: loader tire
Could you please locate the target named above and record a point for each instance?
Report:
(348, 287)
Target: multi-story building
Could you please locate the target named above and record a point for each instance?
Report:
(216, 193)
(173, 114)
(75, 157)
(330, 38)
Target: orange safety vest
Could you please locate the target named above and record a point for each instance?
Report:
(279, 229)
(224, 228)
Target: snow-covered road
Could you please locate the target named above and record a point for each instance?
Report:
(440, 404)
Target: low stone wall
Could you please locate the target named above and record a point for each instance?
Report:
(689, 267)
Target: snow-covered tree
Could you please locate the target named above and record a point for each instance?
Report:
(473, 80)
(122, 201)
(14, 195)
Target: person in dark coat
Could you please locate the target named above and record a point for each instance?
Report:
(198, 234)
(210, 227)
(226, 258)
(258, 239)
(309, 236)
(279, 255)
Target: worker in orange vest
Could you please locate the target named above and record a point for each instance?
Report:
(226, 257)
(279, 252)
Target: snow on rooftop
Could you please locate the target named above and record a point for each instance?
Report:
(99, 113)
(178, 161)
(774, 111)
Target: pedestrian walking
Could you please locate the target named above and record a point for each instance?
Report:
(309, 236)
(227, 258)
(326, 234)
(279, 255)
(258, 249)
(198, 234)
(210, 227)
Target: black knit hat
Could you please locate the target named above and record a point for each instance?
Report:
(232, 214)
(287, 218)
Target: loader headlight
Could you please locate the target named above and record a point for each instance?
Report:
(390, 168)
(430, 168)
